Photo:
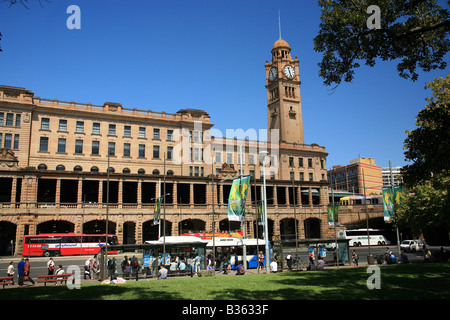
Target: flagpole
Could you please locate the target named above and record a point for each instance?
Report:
(158, 199)
(266, 235)
(213, 214)
(164, 213)
(243, 216)
(393, 206)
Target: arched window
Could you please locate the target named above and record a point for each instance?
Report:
(94, 169)
(156, 172)
(60, 167)
(111, 170)
(126, 170)
(141, 171)
(77, 168)
(169, 172)
(42, 167)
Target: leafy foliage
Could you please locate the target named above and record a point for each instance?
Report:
(428, 177)
(413, 31)
(428, 145)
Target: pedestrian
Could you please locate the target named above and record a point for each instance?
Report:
(220, 262)
(59, 271)
(240, 270)
(311, 255)
(320, 264)
(311, 266)
(236, 260)
(224, 264)
(21, 271)
(135, 266)
(289, 261)
(427, 255)
(260, 260)
(355, 258)
(162, 274)
(50, 266)
(229, 263)
(127, 268)
(404, 257)
(111, 266)
(27, 271)
(273, 266)
(95, 267)
(87, 268)
(10, 271)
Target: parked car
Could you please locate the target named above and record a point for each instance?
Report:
(412, 245)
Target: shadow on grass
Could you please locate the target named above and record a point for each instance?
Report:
(399, 282)
(89, 292)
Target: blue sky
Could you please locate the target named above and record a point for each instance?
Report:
(206, 54)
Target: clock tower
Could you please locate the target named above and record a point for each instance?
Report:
(284, 106)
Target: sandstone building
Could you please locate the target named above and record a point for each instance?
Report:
(55, 166)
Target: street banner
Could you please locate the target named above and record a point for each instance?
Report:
(398, 195)
(157, 211)
(234, 202)
(245, 184)
(388, 205)
(333, 217)
(260, 213)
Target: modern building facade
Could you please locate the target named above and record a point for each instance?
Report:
(64, 164)
(396, 176)
(360, 176)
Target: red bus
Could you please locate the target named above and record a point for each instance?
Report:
(64, 244)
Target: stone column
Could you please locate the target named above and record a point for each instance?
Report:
(79, 193)
(139, 195)
(100, 194)
(120, 194)
(175, 194)
(310, 200)
(191, 195)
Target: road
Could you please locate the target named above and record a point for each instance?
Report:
(39, 264)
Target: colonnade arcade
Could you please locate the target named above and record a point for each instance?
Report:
(47, 203)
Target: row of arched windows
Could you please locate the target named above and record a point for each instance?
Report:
(95, 169)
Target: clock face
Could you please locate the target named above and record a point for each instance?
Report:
(273, 73)
(289, 72)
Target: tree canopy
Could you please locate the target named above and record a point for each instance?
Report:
(414, 31)
(427, 146)
(427, 207)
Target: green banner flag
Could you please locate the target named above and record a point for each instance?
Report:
(245, 185)
(388, 204)
(333, 217)
(398, 195)
(156, 211)
(234, 202)
(260, 213)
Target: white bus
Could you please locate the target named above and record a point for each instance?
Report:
(235, 245)
(358, 237)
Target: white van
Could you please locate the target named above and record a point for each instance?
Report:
(412, 245)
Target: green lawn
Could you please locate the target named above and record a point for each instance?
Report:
(413, 281)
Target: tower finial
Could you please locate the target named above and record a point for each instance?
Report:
(279, 24)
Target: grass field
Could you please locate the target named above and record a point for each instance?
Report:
(430, 281)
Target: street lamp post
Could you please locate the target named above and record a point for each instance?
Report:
(266, 234)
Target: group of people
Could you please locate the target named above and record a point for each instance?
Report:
(92, 268)
(24, 271)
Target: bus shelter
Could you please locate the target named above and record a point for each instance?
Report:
(302, 249)
(191, 250)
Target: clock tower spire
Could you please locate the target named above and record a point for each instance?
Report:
(284, 107)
